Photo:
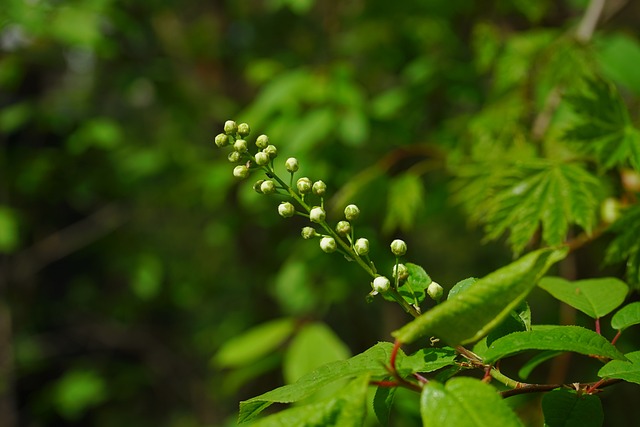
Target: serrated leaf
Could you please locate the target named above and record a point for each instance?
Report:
(565, 408)
(464, 402)
(594, 297)
(471, 314)
(382, 403)
(604, 128)
(624, 370)
(254, 344)
(628, 315)
(346, 408)
(535, 361)
(626, 245)
(427, 360)
(413, 289)
(405, 200)
(562, 338)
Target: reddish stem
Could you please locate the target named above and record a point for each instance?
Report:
(394, 354)
(598, 326)
(385, 383)
(613, 341)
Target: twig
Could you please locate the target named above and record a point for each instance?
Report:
(590, 20)
(537, 388)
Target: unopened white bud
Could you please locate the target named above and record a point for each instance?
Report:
(262, 158)
(398, 247)
(240, 145)
(268, 187)
(361, 246)
(328, 244)
(343, 227)
(351, 212)
(308, 233)
(319, 188)
(272, 151)
(221, 140)
(262, 141)
(292, 165)
(286, 210)
(244, 129)
(230, 127)
(381, 284)
(241, 171)
(434, 290)
(401, 271)
(317, 214)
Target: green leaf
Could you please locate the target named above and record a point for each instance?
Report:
(565, 408)
(626, 245)
(254, 343)
(382, 403)
(413, 289)
(472, 314)
(618, 55)
(627, 316)
(461, 286)
(604, 128)
(464, 402)
(624, 370)
(514, 322)
(370, 362)
(405, 201)
(535, 361)
(9, 235)
(346, 408)
(594, 297)
(562, 338)
(427, 360)
(77, 391)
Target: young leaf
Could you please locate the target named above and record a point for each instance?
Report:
(562, 338)
(464, 402)
(565, 408)
(626, 245)
(536, 360)
(628, 315)
(518, 320)
(471, 314)
(625, 370)
(594, 297)
(345, 408)
(427, 360)
(254, 344)
(413, 289)
(461, 286)
(405, 200)
(382, 402)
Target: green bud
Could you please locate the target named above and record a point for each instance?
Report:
(328, 244)
(271, 150)
(241, 171)
(304, 185)
(262, 158)
(243, 129)
(319, 188)
(351, 212)
(398, 247)
(240, 145)
(262, 142)
(308, 233)
(292, 165)
(268, 187)
(221, 140)
(381, 284)
(400, 270)
(317, 214)
(286, 210)
(361, 246)
(435, 291)
(230, 127)
(610, 210)
(234, 157)
(343, 227)
(257, 185)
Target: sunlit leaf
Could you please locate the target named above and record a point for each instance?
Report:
(413, 289)
(624, 370)
(628, 315)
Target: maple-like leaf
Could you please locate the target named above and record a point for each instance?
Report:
(626, 245)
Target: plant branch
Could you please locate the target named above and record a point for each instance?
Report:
(538, 388)
(590, 20)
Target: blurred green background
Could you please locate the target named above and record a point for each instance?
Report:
(129, 255)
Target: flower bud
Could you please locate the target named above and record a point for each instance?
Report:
(381, 284)
(234, 157)
(304, 185)
(262, 158)
(257, 185)
(292, 165)
(361, 246)
(398, 247)
(401, 271)
(243, 129)
(317, 214)
(343, 227)
(241, 171)
(610, 210)
(262, 142)
(435, 291)
(351, 212)
(230, 127)
(268, 187)
(308, 233)
(271, 150)
(240, 145)
(286, 210)
(328, 244)
(319, 188)
(221, 139)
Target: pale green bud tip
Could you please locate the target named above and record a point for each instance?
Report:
(221, 140)
(308, 233)
(351, 212)
(381, 284)
(262, 158)
(286, 210)
(343, 227)
(398, 247)
(230, 127)
(361, 246)
(328, 244)
(262, 141)
(241, 171)
(268, 187)
(610, 210)
(257, 186)
(435, 291)
(271, 150)
(317, 214)
(243, 129)
(234, 157)
(304, 185)
(401, 271)
(292, 164)
(319, 188)
(240, 145)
